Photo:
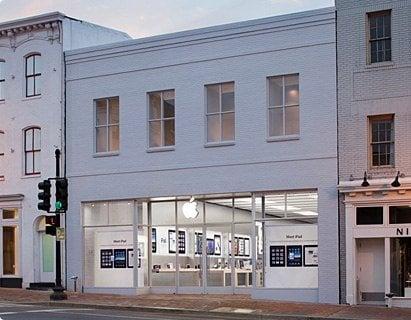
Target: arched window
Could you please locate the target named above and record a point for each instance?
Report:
(32, 149)
(2, 79)
(33, 74)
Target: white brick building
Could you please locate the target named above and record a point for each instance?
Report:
(374, 85)
(31, 111)
(241, 118)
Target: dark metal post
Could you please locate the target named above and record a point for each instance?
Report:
(58, 290)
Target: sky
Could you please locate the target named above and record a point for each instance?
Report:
(141, 18)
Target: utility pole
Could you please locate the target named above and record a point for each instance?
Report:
(58, 290)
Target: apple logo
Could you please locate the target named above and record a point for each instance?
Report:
(190, 209)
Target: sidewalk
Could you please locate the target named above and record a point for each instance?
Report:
(227, 304)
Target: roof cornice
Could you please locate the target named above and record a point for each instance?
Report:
(43, 21)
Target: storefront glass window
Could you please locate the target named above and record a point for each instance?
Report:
(400, 214)
(401, 267)
(369, 215)
(9, 250)
(108, 236)
(287, 241)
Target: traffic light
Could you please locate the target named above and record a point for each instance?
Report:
(44, 195)
(52, 223)
(61, 194)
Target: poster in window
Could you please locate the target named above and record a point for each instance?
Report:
(120, 260)
(247, 247)
(106, 258)
(277, 256)
(241, 247)
(235, 246)
(294, 256)
(130, 258)
(172, 241)
(217, 245)
(310, 256)
(181, 241)
(198, 243)
(210, 246)
(153, 240)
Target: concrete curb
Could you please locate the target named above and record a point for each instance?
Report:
(165, 310)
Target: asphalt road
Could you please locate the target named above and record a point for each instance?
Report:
(30, 312)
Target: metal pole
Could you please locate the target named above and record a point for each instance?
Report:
(58, 290)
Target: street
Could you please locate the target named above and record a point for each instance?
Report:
(10, 311)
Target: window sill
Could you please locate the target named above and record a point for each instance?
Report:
(161, 149)
(29, 176)
(106, 154)
(283, 138)
(380, 64)
(219, 144)
(31, 98)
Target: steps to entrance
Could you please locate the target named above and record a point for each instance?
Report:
(41, 286)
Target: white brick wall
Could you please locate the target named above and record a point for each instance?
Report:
(365, 90)
(246, 53)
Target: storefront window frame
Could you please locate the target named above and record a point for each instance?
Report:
(16, 222)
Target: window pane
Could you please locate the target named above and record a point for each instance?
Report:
(155, 106)
(9, 250)
(101, 139)
(227, 97)
(29, 163)
(30, 66)
(228, 126)
(101, 112)
(400, 214)
(2, 90)
(213, 128)
(292, 120)
(275, 91)
(30, 87)
(37, 139)
(37, 64)
(37, 85)
(9, 213)
(275, 119)
(213, 98)
(2, 71)
(168, 102)
(113, 111)
(29, 139)
(369, 215)
(155, 133)
(169, 132)
(291, 90)
(113, 138)
(37, 162)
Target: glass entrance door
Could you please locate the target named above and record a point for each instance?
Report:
(9, 250)
(401, 267)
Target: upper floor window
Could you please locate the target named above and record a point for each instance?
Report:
(161, 119)
(2, 79)
(220, 112)
(107, 125)
(382, 140)
(379, 36)
(283, 105)
(2, 152)
(33, 74)
(32, 149)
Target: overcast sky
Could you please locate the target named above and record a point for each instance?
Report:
(141, 18)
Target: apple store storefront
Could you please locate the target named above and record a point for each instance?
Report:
(230, 243)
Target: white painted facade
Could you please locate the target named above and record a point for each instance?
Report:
(47, 35)
(245, 53)
(367, 91)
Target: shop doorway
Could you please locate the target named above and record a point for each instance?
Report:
(47, 257)
(371, 270)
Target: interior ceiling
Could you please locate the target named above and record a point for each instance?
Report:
(302, 204)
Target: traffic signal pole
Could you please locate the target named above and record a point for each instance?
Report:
(58, 290)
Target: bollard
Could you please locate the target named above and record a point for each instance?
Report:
(388, 299)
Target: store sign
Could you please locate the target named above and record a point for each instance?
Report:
(190, 209)
(403, 232)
